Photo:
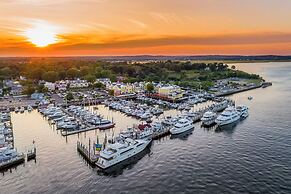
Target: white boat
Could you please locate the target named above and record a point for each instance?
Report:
(229, 115)
(2, 141)
(7, 154)
(56, 115)
(21, 110)
(121, 151)
(169, 121)
(102, 123)
(29, 108)
(208, 118)
(70, 126)
(181, 126)
(147, 132)
(243, 111)
(66, 121)
(16, 110)
(146, 115)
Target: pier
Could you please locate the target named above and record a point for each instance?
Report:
(31, 154)
(67, 133)
(13, 162)
(85, 126)
(91, 158)
(162, 134)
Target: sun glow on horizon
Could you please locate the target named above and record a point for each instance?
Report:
(42, 34)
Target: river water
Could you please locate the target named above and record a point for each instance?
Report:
(252, 157)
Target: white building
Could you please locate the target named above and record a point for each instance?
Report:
(50, 86)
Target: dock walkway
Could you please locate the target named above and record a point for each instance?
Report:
(91, 158)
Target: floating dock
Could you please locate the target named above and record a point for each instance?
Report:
(13, 162)
(31, 154)
(162, 134)
(91, 158)
(67, 133)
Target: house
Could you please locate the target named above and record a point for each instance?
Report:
(104, 81)
(61, 85)
(78, 83)
(15, 87)
(172, 92)
(37, 96)
(120, 88)
(50, 86)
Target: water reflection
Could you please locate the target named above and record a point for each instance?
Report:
(227, 129)
(183, 136)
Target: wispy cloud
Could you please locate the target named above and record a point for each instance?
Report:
(138, 23)
(47, 3)
(140, 42)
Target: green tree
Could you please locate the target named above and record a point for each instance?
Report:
(69, 96)
(80, 97)
(150, 87)
(111, 92)
(28, 90)
(72, 73)
(40, 88)
(90, 78)
(99, 85)
(50, 76)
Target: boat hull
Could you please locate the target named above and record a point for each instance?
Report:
(106, 164)
(227, 122)
(182, 130)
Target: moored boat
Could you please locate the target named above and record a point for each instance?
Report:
(208, 118)
(228, 116)
(181, 126)
(120, 151)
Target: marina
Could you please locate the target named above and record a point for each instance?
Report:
(157, 131)
(9, 157)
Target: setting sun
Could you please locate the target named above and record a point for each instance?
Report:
(41, 34)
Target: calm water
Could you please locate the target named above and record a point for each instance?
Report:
(252, 157)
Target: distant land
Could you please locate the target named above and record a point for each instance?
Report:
(224, 58)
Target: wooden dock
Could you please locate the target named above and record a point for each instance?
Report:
(162, 134)
(91, 158)
(13, 162)
(67, 133)
(31, 154)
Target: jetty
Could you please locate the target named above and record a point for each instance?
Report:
(72, 132)
(31, 154)
(13, 162)
(89, 156)
(158, 135)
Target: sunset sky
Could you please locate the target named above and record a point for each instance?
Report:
(134, 27)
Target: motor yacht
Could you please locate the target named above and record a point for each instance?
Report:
(16, 110)
(121, 151)
(169, 121)
(243, 111)
(208, 118)
(29, 108)
(229, 115)
(102, 123)
(2, 141)
(7, 154)
(64, 122)
(146, 115)
(181, 126)
(21, 110)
